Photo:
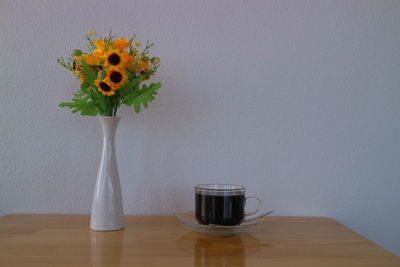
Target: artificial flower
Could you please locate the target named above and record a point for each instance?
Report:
(116, 77)
(115, 58)
(143, 66)
(104, 87)
(91, 59)
(121, 43)
(100, 48)
(75, 66)
(111, 68)
(128, 57)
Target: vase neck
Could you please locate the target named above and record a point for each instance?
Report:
(109, 125)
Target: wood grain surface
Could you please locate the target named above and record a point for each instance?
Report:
(65, 240)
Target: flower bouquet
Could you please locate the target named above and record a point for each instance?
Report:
(111, 73)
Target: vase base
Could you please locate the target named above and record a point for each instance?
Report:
(107, 230)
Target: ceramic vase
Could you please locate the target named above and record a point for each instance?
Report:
(107, 208)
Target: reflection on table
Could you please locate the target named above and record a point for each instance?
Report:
(219, 251)
(106, 248)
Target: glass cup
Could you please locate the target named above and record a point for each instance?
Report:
(222, 204)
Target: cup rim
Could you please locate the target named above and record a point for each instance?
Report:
(208, 187)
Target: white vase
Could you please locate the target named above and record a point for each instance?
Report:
(107, 209)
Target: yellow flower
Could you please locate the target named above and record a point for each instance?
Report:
(91, 59)
(116, 77)
(115, 58)
(75, 66)
(104, 87)
(121, 43)
(137, 43)
(100, 47)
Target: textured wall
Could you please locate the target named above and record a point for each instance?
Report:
(298, 100)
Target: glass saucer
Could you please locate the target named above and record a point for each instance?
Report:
(189, 220)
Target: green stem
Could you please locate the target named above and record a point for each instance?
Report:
(109, 106)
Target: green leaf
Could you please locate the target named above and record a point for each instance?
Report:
(100, 100)
(88, 111)
(91, 74)
(82, 105)
(130, 86)
(141, 96)
(84, 86)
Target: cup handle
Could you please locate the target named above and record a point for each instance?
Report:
(259, 204)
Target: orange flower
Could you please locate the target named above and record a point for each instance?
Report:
(81, 79)
(100, 47)
(129, 58)
(91, 59)
(121, 43)
(143, 65)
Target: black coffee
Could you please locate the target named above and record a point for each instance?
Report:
(221, 210)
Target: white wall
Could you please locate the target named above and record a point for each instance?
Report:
(297, 100)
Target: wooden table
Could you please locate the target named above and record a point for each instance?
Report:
(65, 240)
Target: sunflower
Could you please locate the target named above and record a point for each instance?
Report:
(121, 43)
(116, 77)
(104, 87)
(116, 58)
